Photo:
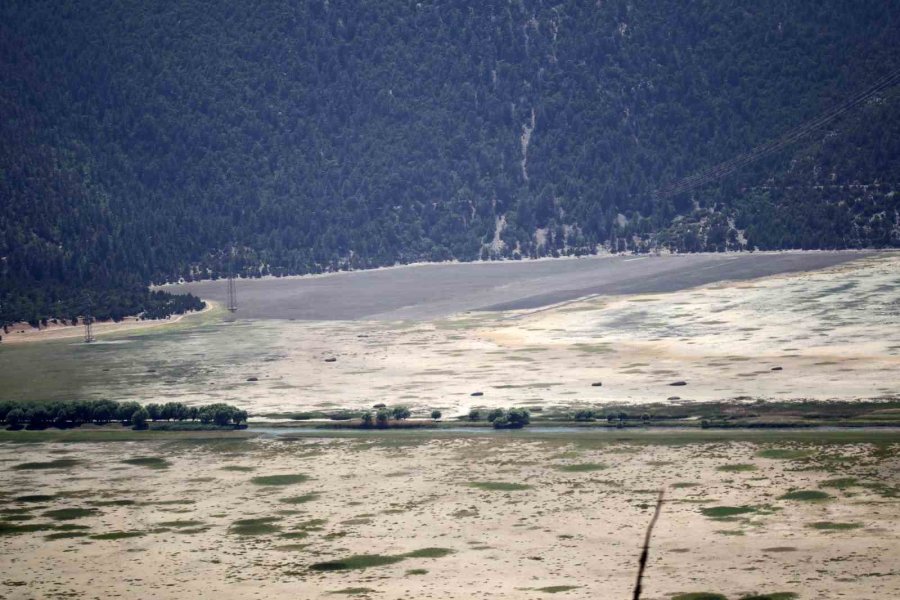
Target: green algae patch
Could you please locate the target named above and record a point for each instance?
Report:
(289, 479)
(70, 514)
(151, 462)
(64, 535)
(806, 496)
(720, 512)
(784, 453)
(35, 498)
(14, 529)
(365, 561)
(259, 526)
(358, 561)
(737, 468)
(832, 526)
(499, 486)
(300, 499)
(179, 524)
(118, 535)
(583, 467)
(840, 483)
(59, 463)
(428, 553)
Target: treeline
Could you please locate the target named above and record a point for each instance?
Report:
(65, 414)
(146, 143)
(499, 418)
(39, 306)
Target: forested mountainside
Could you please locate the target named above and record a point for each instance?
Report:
(149, 141)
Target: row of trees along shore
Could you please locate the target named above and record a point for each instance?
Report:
(64, 414)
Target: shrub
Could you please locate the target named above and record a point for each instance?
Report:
(435, 414)
(367, 419)
(400, 412)
(381, 417)
(584, 415)
(494, 414)
(139, 419)
(15, 417)
(474, 414)
(514, 418)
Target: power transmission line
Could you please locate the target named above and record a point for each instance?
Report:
(727, 167)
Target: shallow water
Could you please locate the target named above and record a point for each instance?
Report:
(438, 290)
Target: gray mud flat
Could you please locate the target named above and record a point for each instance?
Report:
(437, 290)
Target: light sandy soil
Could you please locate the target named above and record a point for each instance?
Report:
(835, 333)
(395, 495)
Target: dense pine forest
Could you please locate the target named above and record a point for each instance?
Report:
(143, 142)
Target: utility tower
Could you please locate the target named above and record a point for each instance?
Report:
(232, 296)
(88, 320)
(232, 292)
(89, 327)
